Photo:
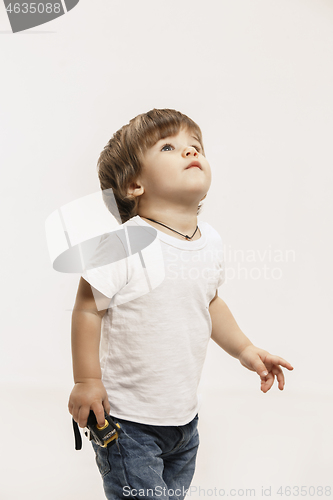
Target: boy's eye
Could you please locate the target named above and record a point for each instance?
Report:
(198, 148)
(166, 145)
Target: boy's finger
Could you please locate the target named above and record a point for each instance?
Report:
(267, 383)
(98, 409)
(260, 368)
(279, 376)
(280, 379)
(75, 414)
(82, 417)
(277, 360)
(107, 406)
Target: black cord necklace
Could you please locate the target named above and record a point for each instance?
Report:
(185, 235)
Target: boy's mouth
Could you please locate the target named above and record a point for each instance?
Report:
(194, 164)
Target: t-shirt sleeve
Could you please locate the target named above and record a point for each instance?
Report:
(219, 257)
(221, 275)
(106, 270)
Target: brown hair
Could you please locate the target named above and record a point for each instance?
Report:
(119, 163)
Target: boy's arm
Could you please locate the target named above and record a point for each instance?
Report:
(227, 334)
(89, 392)
(225, 331)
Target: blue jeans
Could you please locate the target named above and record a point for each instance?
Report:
(149, 461)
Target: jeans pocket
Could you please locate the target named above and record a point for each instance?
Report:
(102, 459)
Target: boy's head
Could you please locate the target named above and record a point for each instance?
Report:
(121, 162)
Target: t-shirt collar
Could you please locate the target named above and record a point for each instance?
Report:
(172, 240)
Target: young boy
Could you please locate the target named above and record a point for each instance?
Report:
(146, 367)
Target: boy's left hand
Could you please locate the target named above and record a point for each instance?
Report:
(265, 364)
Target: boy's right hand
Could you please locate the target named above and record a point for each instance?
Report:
(89, 394)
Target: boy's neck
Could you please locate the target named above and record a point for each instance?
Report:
(184, 224)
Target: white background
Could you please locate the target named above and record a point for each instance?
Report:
(257, 77)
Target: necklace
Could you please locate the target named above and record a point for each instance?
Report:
(185, 235)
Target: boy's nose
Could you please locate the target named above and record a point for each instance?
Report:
(190, 150)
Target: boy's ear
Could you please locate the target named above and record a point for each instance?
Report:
(135, 190)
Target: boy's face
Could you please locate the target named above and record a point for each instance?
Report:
(165, 174)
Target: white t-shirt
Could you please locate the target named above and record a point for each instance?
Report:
(156, 330)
